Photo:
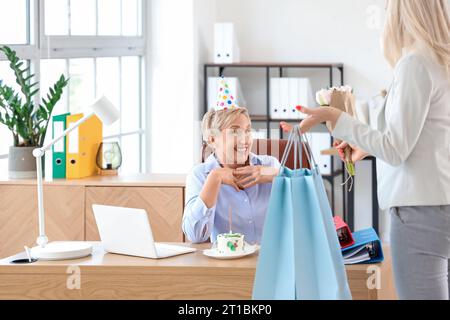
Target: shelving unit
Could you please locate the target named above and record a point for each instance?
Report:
(265, 118)
(281, 67)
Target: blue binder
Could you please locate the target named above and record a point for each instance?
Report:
(366, 242)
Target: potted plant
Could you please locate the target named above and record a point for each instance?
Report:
(27, 120)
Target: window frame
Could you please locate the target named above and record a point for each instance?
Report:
(72, 47)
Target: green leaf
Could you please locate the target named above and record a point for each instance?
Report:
(22, 131)
(33, 93)
(24, 119)
(29, 77)
(16, 66)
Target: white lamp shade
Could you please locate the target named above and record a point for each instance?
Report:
(105, 110)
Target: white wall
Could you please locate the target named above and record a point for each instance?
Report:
(171, 94)
(204, 19)
(179, 43)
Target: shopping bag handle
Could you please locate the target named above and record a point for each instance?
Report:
(309, 154)
(287, 149)
(299, 140)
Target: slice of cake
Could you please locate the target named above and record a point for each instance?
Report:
(230, 243)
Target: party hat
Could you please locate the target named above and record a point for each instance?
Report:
(225, 98)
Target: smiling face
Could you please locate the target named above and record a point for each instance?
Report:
(233, 144)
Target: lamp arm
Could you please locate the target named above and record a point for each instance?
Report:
(38, 153)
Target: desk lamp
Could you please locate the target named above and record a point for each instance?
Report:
(65, 250)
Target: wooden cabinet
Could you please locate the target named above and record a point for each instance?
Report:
(68, 207)
(64, 218)
(163, 206)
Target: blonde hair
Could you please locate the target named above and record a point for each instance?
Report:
(215, 121)
(417, 23)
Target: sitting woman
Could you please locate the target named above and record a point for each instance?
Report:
(231, 179)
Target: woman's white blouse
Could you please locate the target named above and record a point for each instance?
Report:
(410, 137)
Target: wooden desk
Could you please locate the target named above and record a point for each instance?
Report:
(190, 276)
(68, 207)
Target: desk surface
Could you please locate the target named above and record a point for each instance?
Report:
(136, 180)
(189, 276)
(100, 260)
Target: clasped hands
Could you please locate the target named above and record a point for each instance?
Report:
(246, 177)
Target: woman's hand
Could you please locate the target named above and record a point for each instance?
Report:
(286, 127)
(357, 153)
(250, 176)
(315, 117)
(318, 115)
(215, 179)
(226, 176)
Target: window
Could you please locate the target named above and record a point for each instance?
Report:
(99, 45)
(91, 17)
(14, 13)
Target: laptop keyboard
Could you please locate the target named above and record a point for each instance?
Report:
(167, 250)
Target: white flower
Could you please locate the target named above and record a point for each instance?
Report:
(323, 97)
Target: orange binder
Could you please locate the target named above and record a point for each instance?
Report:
(82, 147)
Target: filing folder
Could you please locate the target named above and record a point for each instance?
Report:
(59, 124)
(275, 106)
(367, 248)
(305, 94)
(82, 147)
(226, 49)
(321, 141)
(288, 93)
(293, 95)
(284, 98)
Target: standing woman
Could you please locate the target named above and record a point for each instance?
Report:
(411, 141)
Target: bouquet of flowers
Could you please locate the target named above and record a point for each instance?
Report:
(343, 99)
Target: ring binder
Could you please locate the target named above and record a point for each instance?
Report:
(367, 248)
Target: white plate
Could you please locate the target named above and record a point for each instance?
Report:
(213, 253)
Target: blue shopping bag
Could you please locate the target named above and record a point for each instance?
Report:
(300, 256)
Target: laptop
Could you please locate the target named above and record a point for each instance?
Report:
(127, 231)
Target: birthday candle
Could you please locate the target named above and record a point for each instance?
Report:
(230, 219)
